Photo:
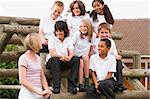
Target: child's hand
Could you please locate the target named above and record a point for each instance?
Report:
(67, 58)
(49, 93)
(45, 41)
(118, 57)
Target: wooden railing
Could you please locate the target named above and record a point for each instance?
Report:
(14, 29)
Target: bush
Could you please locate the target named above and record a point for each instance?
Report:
(9, 93)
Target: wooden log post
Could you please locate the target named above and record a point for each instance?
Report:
(135, 55)
(127, 73)
(4, 38)
(22, 29)
(134, 81)
(117, 36)
(19, 20)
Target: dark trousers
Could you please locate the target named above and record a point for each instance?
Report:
(106, 88)
(44, 49)
(56, 65)
(118, 74)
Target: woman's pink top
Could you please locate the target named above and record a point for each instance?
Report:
(33, 69)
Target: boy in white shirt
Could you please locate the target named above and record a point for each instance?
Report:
(103, 67)
(46, 25)
(104, 31)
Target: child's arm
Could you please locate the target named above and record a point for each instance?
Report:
(44, 82)
(43, 40)
(94, 79)
(109, 75)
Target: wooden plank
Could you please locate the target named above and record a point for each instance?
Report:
(20, 20)
(126, 73)
(133, 94)
(23, 29)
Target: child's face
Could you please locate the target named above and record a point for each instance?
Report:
(98, 7)
(83, 28)
(56, 11)
(104, 33)
(76, 10)
(102, 48)
(60, 35)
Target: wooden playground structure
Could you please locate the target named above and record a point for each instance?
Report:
(14, 29)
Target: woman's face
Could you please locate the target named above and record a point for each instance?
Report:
(98, 7)
(60, 35)
(83, 28)
(76, 10)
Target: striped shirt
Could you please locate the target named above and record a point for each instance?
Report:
(33, 69)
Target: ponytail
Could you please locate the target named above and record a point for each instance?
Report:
(108, 16)
(93, 15)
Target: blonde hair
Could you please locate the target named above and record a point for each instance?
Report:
(58, 3)
(89, 27)
(33, 42)
(104, 25)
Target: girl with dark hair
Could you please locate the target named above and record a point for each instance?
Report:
(100, 14)
(61, 57)
(78, 13)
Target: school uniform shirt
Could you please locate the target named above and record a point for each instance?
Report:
(100, 20)
(82, 45)
(74, 22)
(47, 25)
(60, 47)
(113, 49)
(33, 70)
(102, 66)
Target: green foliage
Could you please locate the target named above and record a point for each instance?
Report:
(9, 93)
(8, 64)
(10, 47)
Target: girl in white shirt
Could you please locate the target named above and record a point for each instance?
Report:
(61, 57)
(100, 14)
(83, 43)
(78, 13)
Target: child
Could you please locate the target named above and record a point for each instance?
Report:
(61, 57)
(46, 26)
(78, 13)
(100, 14)
(31, 74)
(104, 31)
(103, 67)
(83, 42)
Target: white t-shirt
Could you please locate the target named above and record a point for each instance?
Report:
(113, 49)
(101, 19)
(102, 66)
(74, 22)
(60, 47)
(82, 45)
(47, 24)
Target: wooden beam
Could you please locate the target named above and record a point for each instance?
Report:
(133, 94)
(4, 40)
(23, 29)
(125, 95)
(134, 81)
(9, 56)
(126, 73)
(117, 36)
(20, 20)
(128, 53)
